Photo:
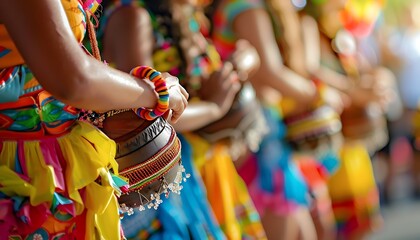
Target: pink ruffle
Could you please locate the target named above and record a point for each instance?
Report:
(8, 221)
(26, 220)
(263, 200)
(266, 201)
(54, 157)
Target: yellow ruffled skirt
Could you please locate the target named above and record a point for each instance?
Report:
(353, 191)
(226, 191)
(59, 187)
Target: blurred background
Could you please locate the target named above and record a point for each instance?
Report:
(398, 33)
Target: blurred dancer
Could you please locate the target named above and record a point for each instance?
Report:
(400, 50)
(171, 29)
(276, 183)
(352, 188)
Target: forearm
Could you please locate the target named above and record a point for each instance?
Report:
(312, 43)
(198, 115)
(61, 66)
(333, 78)
(272, 71)
(103, 88)
(84, 82)
(287, 82)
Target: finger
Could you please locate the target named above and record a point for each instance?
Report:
(235, 59)
(175, 117)
(178, 108)
(232, 78)
(243, 76)
(236, 85)
(346, 99)
(233, 90)
(181, 92)
(185, 102)
(240, 53)
(226, 70)
(166, 75)
(170, 80)
(184, 92)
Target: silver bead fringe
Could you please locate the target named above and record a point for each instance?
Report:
(155, 200)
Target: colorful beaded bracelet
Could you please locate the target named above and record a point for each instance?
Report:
(161, 89)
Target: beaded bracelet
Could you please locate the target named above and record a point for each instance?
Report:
(161, 89)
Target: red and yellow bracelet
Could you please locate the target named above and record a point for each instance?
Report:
(161, 89)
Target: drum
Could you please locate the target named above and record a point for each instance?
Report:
(243, 126)
(366, 124)
(310, 130)
(151, 161)
(148, 151)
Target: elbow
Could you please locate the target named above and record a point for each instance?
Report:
(263, 76)
(72, 93)
(72, 87)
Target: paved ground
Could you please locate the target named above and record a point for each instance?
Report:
(402, 222)
(402, 217)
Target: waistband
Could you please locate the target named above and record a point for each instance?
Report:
(36, 116)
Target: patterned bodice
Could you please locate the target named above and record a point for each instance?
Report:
(26, 110)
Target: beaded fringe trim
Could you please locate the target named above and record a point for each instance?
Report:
(154, 169)
(154, 200)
